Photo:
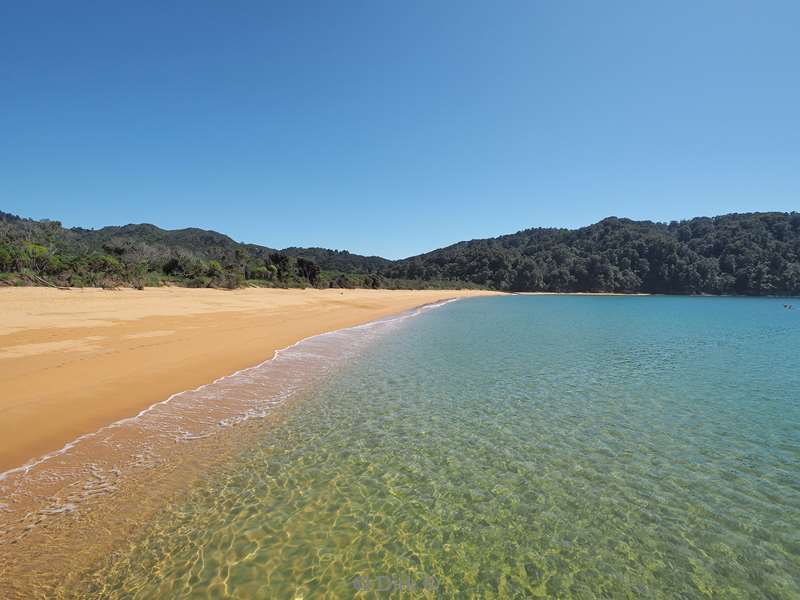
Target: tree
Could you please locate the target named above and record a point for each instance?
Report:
(36, 257)
(309, 270)
(215, 269)
(282, 265)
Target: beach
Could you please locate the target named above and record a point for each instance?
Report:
(73, 361)
(502, 445)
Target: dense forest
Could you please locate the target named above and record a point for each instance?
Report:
(45, 253)
(747, 254)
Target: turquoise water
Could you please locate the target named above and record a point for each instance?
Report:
(576, 447)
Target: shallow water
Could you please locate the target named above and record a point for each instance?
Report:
(101, 487)
(505, 447)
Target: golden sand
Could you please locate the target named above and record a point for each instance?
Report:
(72, 361)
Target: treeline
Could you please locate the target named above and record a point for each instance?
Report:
(45, 253)
(24, 261)
(340, 260)
(747, 254)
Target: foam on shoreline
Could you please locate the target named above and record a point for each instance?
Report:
(96, 463)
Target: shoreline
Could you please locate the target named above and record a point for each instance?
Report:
(582, 294)
(73, 362)
(121, 473)
(36, 461)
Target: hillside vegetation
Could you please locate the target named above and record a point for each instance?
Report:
(747, 254)
(45, 253)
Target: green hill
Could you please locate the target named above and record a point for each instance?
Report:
(747, 254)
(144, 254)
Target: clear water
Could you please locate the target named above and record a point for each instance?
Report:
(572, 447)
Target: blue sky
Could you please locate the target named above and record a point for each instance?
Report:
(393, 128)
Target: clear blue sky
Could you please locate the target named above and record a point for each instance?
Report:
(393, 128)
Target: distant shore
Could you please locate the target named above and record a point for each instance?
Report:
(581, 293)
(72, 361)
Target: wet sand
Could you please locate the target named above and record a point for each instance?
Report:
(72, 361)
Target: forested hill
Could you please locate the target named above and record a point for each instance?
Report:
(148, 240)
(44, 251)
(749, 254)
(340, 260)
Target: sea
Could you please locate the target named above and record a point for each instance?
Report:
(515, 446)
